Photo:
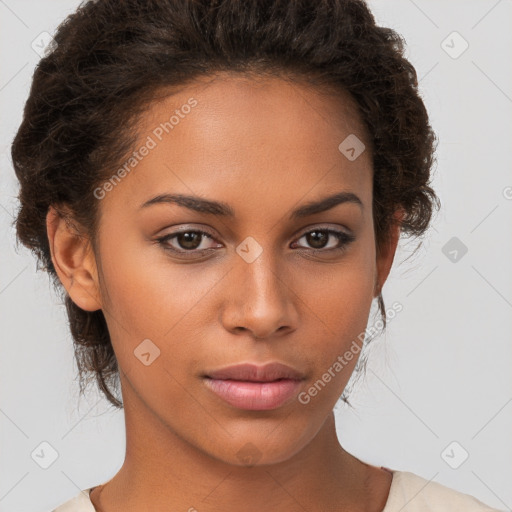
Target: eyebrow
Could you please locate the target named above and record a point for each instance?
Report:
(217, 208)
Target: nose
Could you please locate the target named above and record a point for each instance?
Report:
(260, 299)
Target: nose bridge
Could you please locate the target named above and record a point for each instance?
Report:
(261, 275)
(261, 300)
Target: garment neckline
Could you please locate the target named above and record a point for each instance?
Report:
(387, 505)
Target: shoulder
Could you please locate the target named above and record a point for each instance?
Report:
(412, 493)
(80, 503)
(408, 493)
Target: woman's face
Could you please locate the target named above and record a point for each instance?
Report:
(264, 284)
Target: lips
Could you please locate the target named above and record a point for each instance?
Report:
(255, 373)
(253, 387)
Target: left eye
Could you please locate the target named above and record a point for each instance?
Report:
(319, 238)
(189, 242)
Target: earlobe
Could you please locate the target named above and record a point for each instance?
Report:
(74, 261)
(387, 254)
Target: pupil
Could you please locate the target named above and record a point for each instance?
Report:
(186, 240)
(317, 236)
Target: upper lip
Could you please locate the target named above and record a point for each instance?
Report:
(257, 373)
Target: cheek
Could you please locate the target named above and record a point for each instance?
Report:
(154, 298)
(150, 298)
(148, 293)
(338, 300)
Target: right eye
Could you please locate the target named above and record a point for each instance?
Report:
(189, 241)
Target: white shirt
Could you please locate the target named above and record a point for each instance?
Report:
(408, 493)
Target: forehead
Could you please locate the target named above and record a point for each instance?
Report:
(255, 106)
(232, 138)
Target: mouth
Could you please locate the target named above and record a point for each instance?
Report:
(255, 387)
(254, 395)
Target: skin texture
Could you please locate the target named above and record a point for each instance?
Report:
(264, 147)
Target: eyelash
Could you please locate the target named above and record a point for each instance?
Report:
(344, 239)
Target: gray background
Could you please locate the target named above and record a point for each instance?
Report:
(440, 375)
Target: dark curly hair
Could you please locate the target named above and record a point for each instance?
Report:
(111, 58)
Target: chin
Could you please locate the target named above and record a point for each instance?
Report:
(261, 448)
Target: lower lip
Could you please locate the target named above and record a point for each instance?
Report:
(255, 396)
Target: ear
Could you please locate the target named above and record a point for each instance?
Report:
(73, 259)
(387, 253)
